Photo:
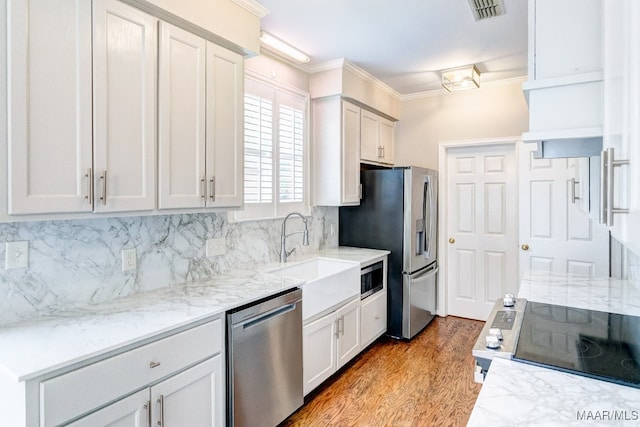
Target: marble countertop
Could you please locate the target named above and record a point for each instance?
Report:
(61, 341)
(516, 393)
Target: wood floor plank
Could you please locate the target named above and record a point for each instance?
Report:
(427, 381)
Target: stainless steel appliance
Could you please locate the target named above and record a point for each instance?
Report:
(398, 212)
(499, 335)
(580, 341)
(371, 279)
(264, 361)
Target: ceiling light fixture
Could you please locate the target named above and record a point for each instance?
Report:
(461, 78)
(282, 47)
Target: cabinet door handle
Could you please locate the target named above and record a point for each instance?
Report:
(603, 187)
(337, 323)
(161, 403)
(203, 190)
(341, 325)
(147, 408)
(89, 176)
(103, 177)
(573, 191)
(212, 189)
(609, 164)
(154, 364)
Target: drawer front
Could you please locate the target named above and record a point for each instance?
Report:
(373, 317)
(85, 389)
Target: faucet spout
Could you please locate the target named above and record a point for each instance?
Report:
(283, 236)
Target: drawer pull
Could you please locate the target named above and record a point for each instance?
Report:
(154, 364)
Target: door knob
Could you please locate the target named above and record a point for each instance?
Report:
(525, 247)
(452, 240)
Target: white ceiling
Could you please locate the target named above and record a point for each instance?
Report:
(404, 43)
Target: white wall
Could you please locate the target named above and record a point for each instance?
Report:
(496, 110)
(280, 72)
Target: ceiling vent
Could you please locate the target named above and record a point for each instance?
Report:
(483, 9)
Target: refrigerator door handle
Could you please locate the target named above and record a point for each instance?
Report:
(424, 274)
(427, 201)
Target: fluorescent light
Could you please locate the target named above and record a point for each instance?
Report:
(461, 78)
(283, 47)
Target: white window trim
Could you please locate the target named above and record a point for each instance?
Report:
(280, 210)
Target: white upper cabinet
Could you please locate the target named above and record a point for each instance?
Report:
(136, 115)
(49, 106)
(200, 110)
(567, 38)
(564, 88)
(377, 139)
(620, 199)
(181, 112)
(225, 117)
(124, 87)
(336, 152)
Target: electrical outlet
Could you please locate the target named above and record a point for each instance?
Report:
(216, 247)
(16, 255)
(129, 259)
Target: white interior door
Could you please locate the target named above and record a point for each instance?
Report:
(481, 227)
(555, 235)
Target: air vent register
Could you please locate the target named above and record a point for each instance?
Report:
(483, 9)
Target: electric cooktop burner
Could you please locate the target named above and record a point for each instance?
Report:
(592, 343)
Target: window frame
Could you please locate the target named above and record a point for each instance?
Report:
(259, 85)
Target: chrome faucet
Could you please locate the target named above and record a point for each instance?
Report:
(283, 237)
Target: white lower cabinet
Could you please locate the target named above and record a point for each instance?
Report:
(132, 411)
(147, 385)
(329, 343)
(186, 399)
(373, 317)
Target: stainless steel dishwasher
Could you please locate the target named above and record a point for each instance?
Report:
(264, 363)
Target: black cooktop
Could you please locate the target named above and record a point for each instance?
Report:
(591, 343)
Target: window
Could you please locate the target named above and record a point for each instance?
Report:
(276, 177)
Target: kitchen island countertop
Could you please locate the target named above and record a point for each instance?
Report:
(67, 339)
(516, 393)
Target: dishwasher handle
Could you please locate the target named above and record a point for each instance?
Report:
(265, 317)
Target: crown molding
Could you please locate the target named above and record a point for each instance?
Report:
(483, 85)
(254, 7)
(350, 66)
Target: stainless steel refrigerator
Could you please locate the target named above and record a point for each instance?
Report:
(398, 212)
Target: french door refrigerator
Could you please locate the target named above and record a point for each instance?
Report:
(398, 212)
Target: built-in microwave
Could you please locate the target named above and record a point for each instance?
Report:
(371, 279)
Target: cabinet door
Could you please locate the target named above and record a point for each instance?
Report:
(580, 21)
(373, 318)
(370, 137)
(319, 351)
(621, 121)
(350, 154)
(225, 117)
(132, 411)
(387, 140)
(49, 106)
(124, 86)
(192, 398)
(348, 322)
(181, 112)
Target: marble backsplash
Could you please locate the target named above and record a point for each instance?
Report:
(77, 262)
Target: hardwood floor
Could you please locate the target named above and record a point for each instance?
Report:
(425, 382)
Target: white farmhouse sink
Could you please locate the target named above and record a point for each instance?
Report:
(328, 283)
